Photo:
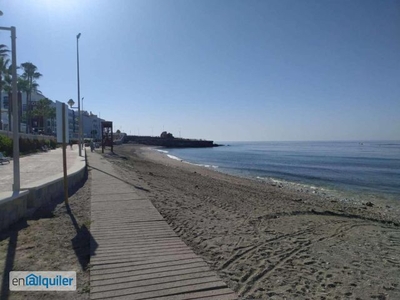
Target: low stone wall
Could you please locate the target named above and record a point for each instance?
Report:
(15, 206)
(41, 192)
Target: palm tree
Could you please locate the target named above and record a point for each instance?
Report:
(22, 86)
(3, 50)
(4, 64)
(7, 87)
(52, 115)
(43, 110)
(30, 74)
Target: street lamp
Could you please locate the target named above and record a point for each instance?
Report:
(79, 95)
(83, 131)
(17, 183)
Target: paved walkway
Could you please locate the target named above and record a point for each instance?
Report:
(135, 254)
(36, 167)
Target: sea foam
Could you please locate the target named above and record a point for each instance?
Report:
(162, 151)
(174, 157)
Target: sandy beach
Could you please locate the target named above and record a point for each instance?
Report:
(271, 242)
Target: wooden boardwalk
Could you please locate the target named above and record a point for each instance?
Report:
(135, 254)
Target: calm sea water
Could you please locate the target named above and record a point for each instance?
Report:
(355, 167)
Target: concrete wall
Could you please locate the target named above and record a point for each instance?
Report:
(41, 192)
(15, 206)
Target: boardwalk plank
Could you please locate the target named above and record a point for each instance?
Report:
(149, 281)
(166, 289)
(134, 253)
(220, 294)
(146, 266)
(157, 271)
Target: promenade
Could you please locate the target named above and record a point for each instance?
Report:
(134, 252)
(38, 166)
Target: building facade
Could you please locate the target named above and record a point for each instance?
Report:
(5, 110)
(91, 123)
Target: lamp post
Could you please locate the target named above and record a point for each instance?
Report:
(83, 131)
(17, 183)
(79, 95)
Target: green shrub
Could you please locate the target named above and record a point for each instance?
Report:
(36, 145)
(23, 145)
(26, 146)
(6, 145)
(53, 144)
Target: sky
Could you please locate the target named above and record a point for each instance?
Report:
(270, 70)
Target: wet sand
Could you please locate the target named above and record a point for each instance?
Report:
(267, 241)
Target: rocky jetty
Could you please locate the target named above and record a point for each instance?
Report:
(169, 142)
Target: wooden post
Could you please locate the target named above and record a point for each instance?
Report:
(102, 137)
(64, 138)
(112, 139)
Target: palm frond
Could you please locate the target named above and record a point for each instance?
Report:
(4, 50)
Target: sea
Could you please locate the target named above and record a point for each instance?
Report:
(352, 169)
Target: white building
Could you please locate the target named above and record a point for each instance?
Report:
(91, 122)
(91, 125)
(4, 105)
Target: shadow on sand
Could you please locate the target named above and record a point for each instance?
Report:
(83, 243)
(127, 182)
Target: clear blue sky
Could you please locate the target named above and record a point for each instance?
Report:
(221, 70)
